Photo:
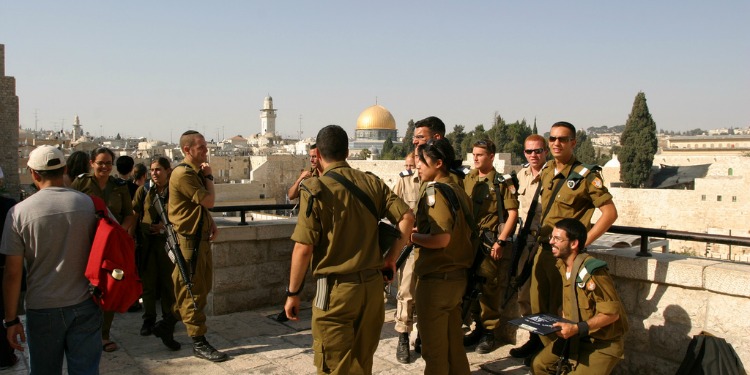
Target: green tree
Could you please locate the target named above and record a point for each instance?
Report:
(387, 146)
(533, 130)
(408, 146)
(584, 151)
(456, 138)
(639, 144)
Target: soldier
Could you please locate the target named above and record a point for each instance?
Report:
(313, 171)
(595, 341)
(115, 193)
(570, 189)
(495, 205)
(349, 307)
(407, 188)
(535, 151)
(191, 194)
(443, 246)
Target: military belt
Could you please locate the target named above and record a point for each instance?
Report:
(354, 277)
(450, 275)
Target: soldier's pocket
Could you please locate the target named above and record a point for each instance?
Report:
(568, 199)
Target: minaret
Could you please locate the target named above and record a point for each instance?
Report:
(77, 130)
(268, 118)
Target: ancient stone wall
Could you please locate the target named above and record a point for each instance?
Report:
(9, 130)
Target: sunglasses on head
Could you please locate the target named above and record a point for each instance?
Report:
(534, 151)
(561, 139)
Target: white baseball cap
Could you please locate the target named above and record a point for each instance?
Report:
(46, 158)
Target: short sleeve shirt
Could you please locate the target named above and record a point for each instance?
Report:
(527, 185)
(342, 231)
(439, 219)
(115, 194)
(187, 188)
(487, 215)
(577, 202)
(407, 188)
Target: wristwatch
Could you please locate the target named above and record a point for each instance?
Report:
(210, 177)
(11, 323)
(289, 293)
(502, 242)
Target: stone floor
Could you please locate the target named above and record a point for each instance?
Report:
(257, 344)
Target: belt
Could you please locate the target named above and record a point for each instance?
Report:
(354, 277)
(450, 275)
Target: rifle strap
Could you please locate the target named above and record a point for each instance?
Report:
(356, 191)
(557, 189)
(528, 265)
(199, 235)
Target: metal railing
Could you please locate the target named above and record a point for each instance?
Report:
(243, 209)
(645, 233)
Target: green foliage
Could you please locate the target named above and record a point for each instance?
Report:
(387, 146)
(534, 130)
(584, 151)
(456, 137)
(408, 146)
(639, 144)
(696, 131)
(364, 154)
(605, 129)
(508, 138)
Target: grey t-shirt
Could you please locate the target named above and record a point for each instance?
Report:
(53, 229)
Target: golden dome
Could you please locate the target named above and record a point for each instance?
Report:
(376, 117)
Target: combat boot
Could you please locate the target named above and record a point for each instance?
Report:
(165, 331)
(402, 349)
(528, 349)
(487, 344)
(473, 337)
(202, 349)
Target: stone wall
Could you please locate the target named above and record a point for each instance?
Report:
(9, 130)
(669, 298)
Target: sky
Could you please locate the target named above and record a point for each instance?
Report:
(157, 68)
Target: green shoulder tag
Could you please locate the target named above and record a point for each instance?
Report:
(589, 267)
(312, 187)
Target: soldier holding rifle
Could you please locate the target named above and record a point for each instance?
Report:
(191, 194)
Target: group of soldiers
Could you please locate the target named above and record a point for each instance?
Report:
(462, 226)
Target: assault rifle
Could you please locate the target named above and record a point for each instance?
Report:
(172, 247)
(515, 282)
(475, 280)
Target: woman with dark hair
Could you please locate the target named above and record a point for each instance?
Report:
(140, 174)
(115, 193)
(442, 242)
(77, 164)
(155, 268)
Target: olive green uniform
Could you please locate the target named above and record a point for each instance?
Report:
(187, 188)
(156, 269)
(407, 188)
(349, 308)
(485, 203)
(117, 197)
(577, 198)
(442, 281)
(527, 185)
(603, 348)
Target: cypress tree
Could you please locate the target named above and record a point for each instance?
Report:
(639, 144)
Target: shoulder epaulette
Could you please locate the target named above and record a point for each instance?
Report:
(82, 175)
(525, 165)
(580, 172)
(372, 175)
(406, 173)
(311, 186)
(590, 265)
(509, 180)
(120, 182)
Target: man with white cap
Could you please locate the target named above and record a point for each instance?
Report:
(52, 231)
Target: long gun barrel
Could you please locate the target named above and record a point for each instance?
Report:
(172, 248)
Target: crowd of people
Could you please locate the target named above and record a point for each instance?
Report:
(458, 224)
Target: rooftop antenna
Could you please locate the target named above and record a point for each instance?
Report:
(299, 133)
(36, 120)
(376, 100)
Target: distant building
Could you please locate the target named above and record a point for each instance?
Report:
(374, 125)
(9, 129)
(268, 118)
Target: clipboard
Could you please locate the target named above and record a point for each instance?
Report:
(541, 324)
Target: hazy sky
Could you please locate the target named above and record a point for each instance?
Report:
(157, 68)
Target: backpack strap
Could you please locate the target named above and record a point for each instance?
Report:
(100, 208)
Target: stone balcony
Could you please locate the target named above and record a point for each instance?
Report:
(668, 298)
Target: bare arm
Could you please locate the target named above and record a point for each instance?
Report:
(293, 192)
(597, 321)
(405, 225)
(609, 215)
(300, 260)
(508, 229)
(11, 293)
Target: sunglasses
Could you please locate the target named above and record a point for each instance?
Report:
(534, 151)
(561, 139)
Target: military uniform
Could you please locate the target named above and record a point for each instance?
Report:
(442, 280)
(484, 192)
(407, 188)
(582, 191)
(187, 188)
(595, 292)
(527, 185)
(117, 197)
(156, 268)
(349, 308)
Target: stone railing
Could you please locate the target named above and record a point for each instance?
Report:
(668, 298)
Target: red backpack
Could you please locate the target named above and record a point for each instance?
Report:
(111, 270)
